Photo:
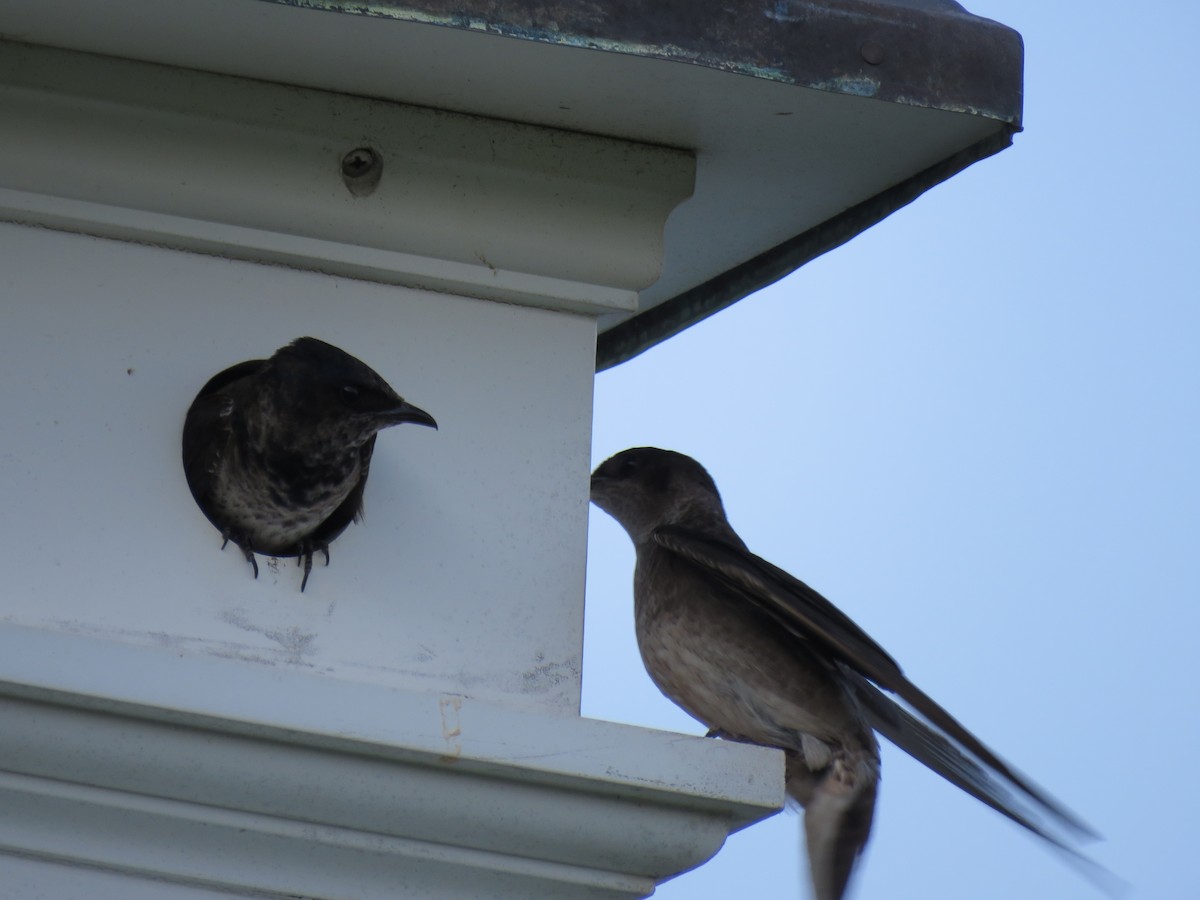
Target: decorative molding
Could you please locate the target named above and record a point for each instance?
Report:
(252, 170)
(232, 776)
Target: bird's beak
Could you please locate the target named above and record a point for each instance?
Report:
(406, 412)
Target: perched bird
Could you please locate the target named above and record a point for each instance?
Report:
(276, 451)
(758, 656)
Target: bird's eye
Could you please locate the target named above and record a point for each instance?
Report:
(349, 392)
(629, 465)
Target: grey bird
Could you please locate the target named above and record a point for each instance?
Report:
(276, 451)
(760, 657)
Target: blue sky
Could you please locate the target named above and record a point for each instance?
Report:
(974, 428)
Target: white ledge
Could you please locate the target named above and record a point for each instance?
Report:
(217, 773)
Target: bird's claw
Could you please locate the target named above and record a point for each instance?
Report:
(246, 551)
(306, 556)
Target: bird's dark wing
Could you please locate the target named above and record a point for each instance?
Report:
(811, 617)
(930, 748)
(915, 737)
(207, 428)
(351, 508)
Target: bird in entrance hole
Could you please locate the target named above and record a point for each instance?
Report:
(276, 451)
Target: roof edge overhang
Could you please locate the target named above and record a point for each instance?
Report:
(929, 54)
(809, 120)
(938, 55)
(635, 335)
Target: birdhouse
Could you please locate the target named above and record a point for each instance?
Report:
(481, 204)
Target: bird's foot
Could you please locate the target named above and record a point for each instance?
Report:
(246, 551)
(306, 557)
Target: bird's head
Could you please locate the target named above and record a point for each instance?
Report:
(331, 389)
(645, 487)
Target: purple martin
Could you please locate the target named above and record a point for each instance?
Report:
(276, 451)
(760, 657)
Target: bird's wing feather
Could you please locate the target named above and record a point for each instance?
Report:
(915, 737)
(924, 744)
(790, 601)
(810, 616)
(351, 509)
(206, 429)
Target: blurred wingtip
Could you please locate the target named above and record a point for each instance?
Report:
(1102, 879)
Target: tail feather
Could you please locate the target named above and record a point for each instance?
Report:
(839, 803)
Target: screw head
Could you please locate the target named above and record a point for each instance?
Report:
(362, 168)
